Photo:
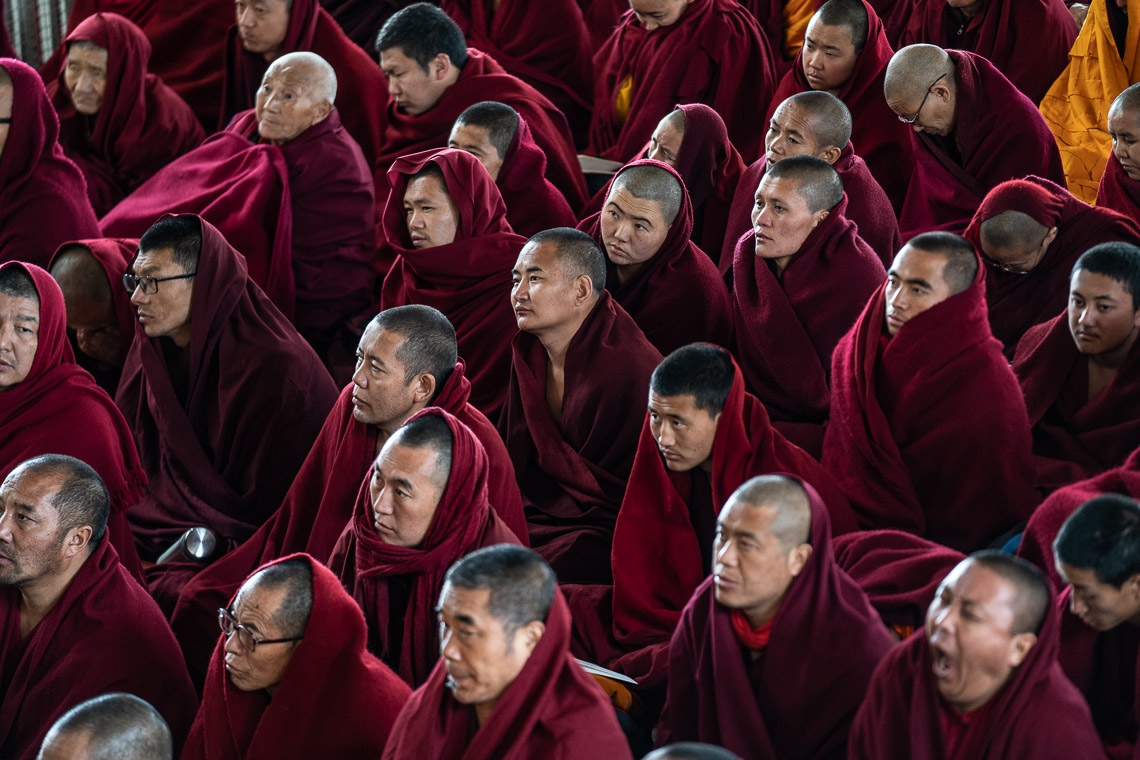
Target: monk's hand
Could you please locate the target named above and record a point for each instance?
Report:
(1079, 12)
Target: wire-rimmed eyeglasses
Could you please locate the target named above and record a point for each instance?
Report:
(229, 625)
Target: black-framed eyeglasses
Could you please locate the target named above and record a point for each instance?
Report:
(6, 120)
(149, 285)
(918, 113)
(229, 625)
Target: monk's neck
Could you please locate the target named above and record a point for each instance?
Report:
(483, 711)
(39, 598)
(626, 272)
(557, 338)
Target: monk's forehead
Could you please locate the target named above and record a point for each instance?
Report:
(792, 115)
(292, 74)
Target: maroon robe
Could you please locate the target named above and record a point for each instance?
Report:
(711, 168)
(1117, 192)
(533, 203)
(361, 19)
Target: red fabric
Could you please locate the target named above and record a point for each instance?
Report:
(677, 297)
(225, 456)
(463, 522)
(361, 19)
(43, 198)
(104, 634)
(999, 135)
(714, 54)
(572, 470)
(468, 280)
(786, 704)
(552, 709)
(1117, 191)
(533, 203)
(601, 17)
(903, 417)
(749, 637)
(895, 15)
(334, 699)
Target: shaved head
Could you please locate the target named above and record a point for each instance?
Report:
(827, 115)
(312, 70)
(817, 181)
(1127, 101)
(787, 498)
(654, 184)
(850, 14)
(81, 276)
(961, 260)
(675, 119)
(912, 70)
(1032, 600)
(577, 254)
(1013, 230)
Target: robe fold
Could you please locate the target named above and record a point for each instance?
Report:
(1119, 192)
(361, 19)
(533, 203)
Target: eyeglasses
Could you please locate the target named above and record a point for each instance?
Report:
(149, 285)
(6, 120)
(917, 113)
(229, 625)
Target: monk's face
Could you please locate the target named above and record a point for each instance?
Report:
(96, 331)
(781, 219)
(829, 56)
(477, 141)
(542, 295)
(1101, 606)
(654, 14)
(19, 338)
(6, 95)
(1124, 129)
(85, 75)
(405, 490)
(382, 394)
(1103, 318)
(165, 313)
(915, 283)
(665, 144)
(684, 433)
(632, 228)
(792, 133)
(256, 609)
(414, 89)
(969, 629)
(32, 546)
(1021, 257)
(262, 26)
(431, 215)
(933, 112)
(288, 103)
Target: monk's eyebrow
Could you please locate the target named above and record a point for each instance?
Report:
(1108, 298)
(27, 318)
(466, 620)
(631, 216)
(912, 281)
(401, 482)
(825, 47)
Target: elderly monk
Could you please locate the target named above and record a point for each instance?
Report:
(1030, 232)
(454, 249)
(113, 726)
(217, 448)
(1119, 187)
(1080, 372)
(773, 580)
(666, 283)
(43, 201)
(691, 751)
(495, 134)
(73, 623)
(982, 680)
(691, 51)
(118, 122)
(919, 384)
(515, 690)
(816, 123)
(568, 430)
(799, 281)
(424, 506)
(972, 131)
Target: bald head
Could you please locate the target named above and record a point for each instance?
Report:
(576, 254)
(691, 751)
(1127, 102)
(653, 184)
(1012, 230)
(500, 121)
(912, 70)
(1032, 600)
(311, 71)
(676, 120)
(817, 182)
(961, 261)
(80, 276)
(827, 116)
(114, 726)
(789, 501)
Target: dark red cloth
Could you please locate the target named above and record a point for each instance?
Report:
(904, 416)
(677, 297)
(1020, 301)
(601, 17)
(141, 126)
(999, 135)
(468, 280)
(361, 19)
(334, 699)
(533, 203)
(714, 54)
(463, 522)
(786, 703)
(1117, 192)
(104, 634)
(225, 455)
(895, 15)
(572, 470)
(552, 709)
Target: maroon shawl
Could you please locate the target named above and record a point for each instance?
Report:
(711, 168)
(469, 280)
(677, 297)
(104, 634)
(533, 203)
(1117, 192)
(361, 19)
(225, 456)
(551, 710)
(1000, 135)
(905, 416)
(714, 54)
(798, 699)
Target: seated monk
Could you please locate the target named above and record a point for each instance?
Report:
(972, 131)
(799, 281)
(43, 203)
(816, 123)
(116, 724)
(290, 676)
(217, 448)
(690, 51)
(495, 134)
(692, 751)
(982, 680)
(424, 507)
(568, 430)
(73, 623)
(773, 581)
(918, 385)
(1080, 372)
(1119, 187)
(515, 690)
(118, 122)
(454, 248)
(1031, 232)
(49, 405)
(658, 275)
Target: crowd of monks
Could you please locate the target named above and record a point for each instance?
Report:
(569, 378)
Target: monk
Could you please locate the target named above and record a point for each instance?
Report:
(690, 51)
(1119, 187)
(692, 751)
(666, 283)
(290, 676)
(918, 384)
(117, 725)
(454, 248)
(74, 623)
(973, 130)
(982, 680)
(1079, 371)
(773, 580)
(423, 506)
(495, 134)
(37, 181)
(504, 635)
(569, 432)
(798, 282)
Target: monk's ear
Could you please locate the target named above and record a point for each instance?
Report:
(1050, 236)
(423, 388)
(323, 110)
(440, 66)
(1019, 648)
(819, 217)
(798, 559)
(530, 634)
(76, 540)
(830, 154)
(583, 289)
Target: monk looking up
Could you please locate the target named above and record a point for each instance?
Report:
(1119, 187)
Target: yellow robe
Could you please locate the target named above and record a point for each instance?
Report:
(797, 14)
